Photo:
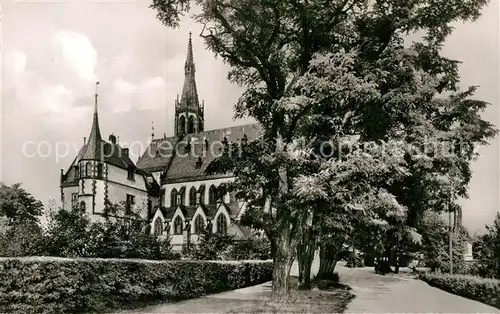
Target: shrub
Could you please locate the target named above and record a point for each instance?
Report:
(212, 246)
(22, 238)
(62, 285)
(488, 250)
(251, 249)
(475, 288)
(71, 233)
(217, 246)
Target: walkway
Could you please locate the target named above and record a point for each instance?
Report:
(374, 294)
(402, 294)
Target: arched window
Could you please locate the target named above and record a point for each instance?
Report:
(158, 227)
(199, 224)
(202, 195)
(99, 170)
(200, 125)
(222, 224)
(83, 206)
(182, 124)
(192, 196)
(212, 195)
(181, 197)
(190, 124)
(173, 198)
(178, 225)
(87, 169)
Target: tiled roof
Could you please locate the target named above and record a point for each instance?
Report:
(240, 232)
(190, 164)
(209, 209)
(158, 155)
(232, 208)
(109, 153)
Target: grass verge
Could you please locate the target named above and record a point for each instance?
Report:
(329, 299)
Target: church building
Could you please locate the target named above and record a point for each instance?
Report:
(168, 184)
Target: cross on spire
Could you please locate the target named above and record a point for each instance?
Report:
(95, 105)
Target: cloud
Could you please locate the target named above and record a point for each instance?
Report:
(148, 94)
(15, 61)
(56, 98)
(78, 53)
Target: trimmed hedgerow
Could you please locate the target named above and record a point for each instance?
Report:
(484, 290)
(63, 285)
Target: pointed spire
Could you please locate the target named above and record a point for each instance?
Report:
(93, 147)
(189, 96)
(189, 58)
(189, 64)
(152, 130)
(189, 102)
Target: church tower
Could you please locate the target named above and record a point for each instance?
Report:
(188, 112)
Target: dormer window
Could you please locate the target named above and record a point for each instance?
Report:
(130, 173)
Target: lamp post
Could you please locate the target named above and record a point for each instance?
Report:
(451, 243)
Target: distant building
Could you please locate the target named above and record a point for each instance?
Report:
(468, 251)
(168, 181)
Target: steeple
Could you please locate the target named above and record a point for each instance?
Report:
(93, 146)
(188, 112)
(189, 59)
(189, 96)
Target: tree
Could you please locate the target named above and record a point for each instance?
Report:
(270, 45)
(20, 233)
(16, 204)
(68, 234)
(489, 250)
(435, 243)
(123, 233)
(21, 239)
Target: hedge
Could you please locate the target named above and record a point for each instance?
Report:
(63, 285)
(484, 290)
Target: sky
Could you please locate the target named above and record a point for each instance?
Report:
(54, 52)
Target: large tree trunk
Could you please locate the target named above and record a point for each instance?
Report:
(283, 253)
(328, 257)
(305, 256)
